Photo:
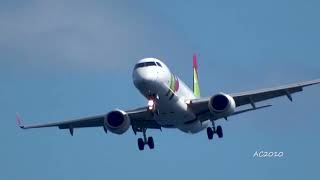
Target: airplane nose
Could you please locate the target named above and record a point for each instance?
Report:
(143, 76)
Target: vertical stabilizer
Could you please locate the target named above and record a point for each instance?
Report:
(196, 88)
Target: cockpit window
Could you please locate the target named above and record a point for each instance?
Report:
(149, 64)
(139, 65)
(158, 64)
(145, 64)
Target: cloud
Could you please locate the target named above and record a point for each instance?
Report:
(79, 34)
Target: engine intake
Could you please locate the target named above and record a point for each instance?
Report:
(117, 121)
(222, 104)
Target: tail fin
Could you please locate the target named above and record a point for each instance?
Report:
(196, 88)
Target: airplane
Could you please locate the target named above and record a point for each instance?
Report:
(172, 104)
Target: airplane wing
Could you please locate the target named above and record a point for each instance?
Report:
(200, 106)
(140, 118)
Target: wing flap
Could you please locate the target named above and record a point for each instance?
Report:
(250, 109)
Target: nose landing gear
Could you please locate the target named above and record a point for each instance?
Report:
(152, 102)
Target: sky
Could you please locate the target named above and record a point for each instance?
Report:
(61, 60)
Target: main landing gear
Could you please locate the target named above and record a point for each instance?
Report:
(143, 141)
(214, 130)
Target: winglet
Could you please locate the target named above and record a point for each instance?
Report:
(196, 88)
(19, 121)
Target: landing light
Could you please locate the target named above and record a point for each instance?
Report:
(150, 103)
(188, 101)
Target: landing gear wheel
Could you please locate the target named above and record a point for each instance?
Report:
(210, 133)
(140, 144)
(150, 142)
(219, 131)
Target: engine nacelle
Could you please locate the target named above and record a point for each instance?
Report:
(117, 121)
(222, 104)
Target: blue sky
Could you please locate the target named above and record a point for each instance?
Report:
(67, 59)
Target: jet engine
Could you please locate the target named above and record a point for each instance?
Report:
(117, 121)
(222, 104)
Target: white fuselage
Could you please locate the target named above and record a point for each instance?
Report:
(154, 80)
